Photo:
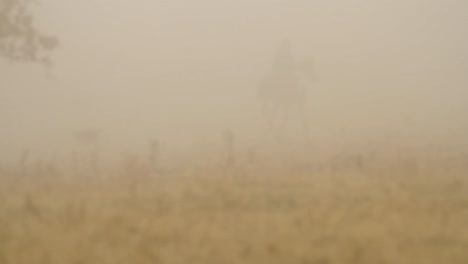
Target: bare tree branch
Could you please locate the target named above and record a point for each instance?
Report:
(20, 40)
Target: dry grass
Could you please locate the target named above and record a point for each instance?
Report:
(316, 218)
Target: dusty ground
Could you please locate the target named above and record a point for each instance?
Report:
(316, 218)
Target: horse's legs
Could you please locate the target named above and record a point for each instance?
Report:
(304, 122)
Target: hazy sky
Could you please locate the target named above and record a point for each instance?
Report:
(184, 70)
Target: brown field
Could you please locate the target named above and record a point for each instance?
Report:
(318, 217)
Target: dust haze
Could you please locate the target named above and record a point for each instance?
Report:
(308, 92)
(184, 71)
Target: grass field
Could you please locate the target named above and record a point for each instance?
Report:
(370, 216)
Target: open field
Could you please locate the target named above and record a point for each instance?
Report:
(372, 216)
(234, 132)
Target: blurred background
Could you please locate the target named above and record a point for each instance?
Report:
(380, 75)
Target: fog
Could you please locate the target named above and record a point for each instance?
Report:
(385, 74)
